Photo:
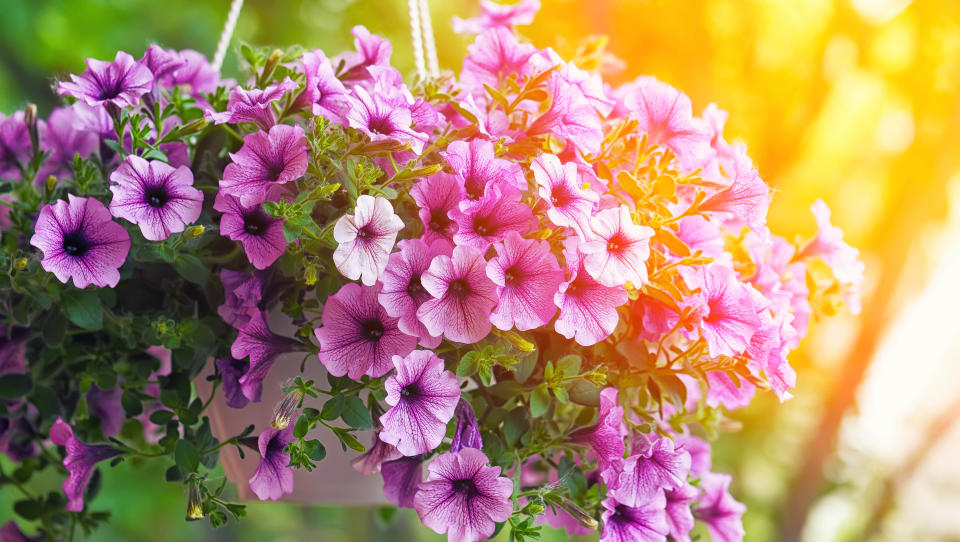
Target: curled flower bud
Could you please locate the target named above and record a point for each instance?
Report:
(30, 119)
(194, 231)
(275, 57)
(20, 264)
(577, 513)
(286, 410)
(194, 504)
(195, 126)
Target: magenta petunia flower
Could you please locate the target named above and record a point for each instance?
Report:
(372, 50)
(646, 522)
(358, 337)
(493, 15)
(660, 466)
(718, 510)
(262, 346)
(843, 259)
(570, 205)
(196, 74)
(571, 118)
(79, 239)
(254, 105)
(265, 160)
(403, 293)
(120, 83)
(606, 437)
(527, 276)
(401, 480)
(747, 198)
(10, 532)
(422, 398)
(500, 211)
(231, 370)
(155, 196)
(463, 296)
(273, 478)
(63, 139)
(80, 462)
(104, 406)
(618, 252)
(728, 318)
(365, 239)
(14, 145)
(679, 515)
(588, 309)
(261, 235)
(495, 55)
(323, 93)
(463, 496)
(242, 295)
(477, 169)
(436, 196)
(468, 431)
(383, 121)
(162, 62)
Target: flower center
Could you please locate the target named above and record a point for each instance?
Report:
(75, 245)
(474, 187)
(483, 227)
(156, 197)
(465, 487)
(255, 223)
(372, 330)
(274, 171)
(616, 244)
(415, 288)
(439, 221)
(560, 196)
(364, 233)
(380, 125)
(512, 276)
(410, 390)
(460, 288)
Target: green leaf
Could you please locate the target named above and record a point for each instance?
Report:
(333, 407)
(186, 456)
(569, 365)
(161, 417)
(347, 440)
(301, 427)
(539, 401)
(314, 450)
(83, 308)
(469, 364)
(54, 328)
(526, 363)
(515, 426)
(131, 403)
(355, 413)
(14, 386)
(191, 268)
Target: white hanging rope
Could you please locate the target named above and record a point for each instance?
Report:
(227, 34)
(416, 34)
(430, 46)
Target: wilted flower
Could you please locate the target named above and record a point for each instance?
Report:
(262, 346)
(80, 461)
(468, 432)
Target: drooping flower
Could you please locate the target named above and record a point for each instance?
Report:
(527, 276)
(436, 196)
(231, 370)
(494, 14)
(104, 405)
(358, 337)
(728, 318)
(606, 437)
(378, 453)
(477, 169)
(262, 346)
(747, 198)
(468, 432)
(463, 296)
(155, 196)
(254, 105)
(265, 160)
(463, 496)
(79, 239)
(721, 513)
(679, 514)
(383, 121)
(242, 293)
(261, 235)
(80, 462)
(162, 62)
(660, 466)
(323, 93)
(120, 83)
(365, 239)
(196, 74)
(273, 478)
(422, 398)
(499, 212)
(14, 145)
(63, 139)
(401, 480)
(843, 259)
(588, 309)
(618, 252)
(569, 204)
(646, 522)
(403, 293)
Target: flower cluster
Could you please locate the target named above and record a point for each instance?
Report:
(544, 289)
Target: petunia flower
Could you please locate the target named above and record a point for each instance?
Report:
(646, 522)
(718, 510)
(477, 168)
(527, 276)
(403, 293)
(63, 139)
(80, 462)
(843, 259)
(382, 121)
(162, 62)
(365, 239)
(468, 432)
(323, 94)
(422, 398)
(401, 480)
(79, 239)
(105, 406)
(660, 466)
(747, 198)
(120, 83)
(231, 370)
(499, 212)
(378, 453)
(728, 318)
(679, 515)
(606, 437)
(436, 196)
(261, 235)
(588, 309)
(265, 160)
(372, 50)
(254, 105)
(463, 296)
(196, 75)
(10, 532)
(14, 145)
(262, 346)
(618, 251)
(155, 196)
(463, 496)
(495, 15)
(273, 478)
(358, 337)
(570, 205)
(495, 55)
(571, 118)
(242, 294)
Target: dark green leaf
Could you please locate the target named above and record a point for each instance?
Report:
(314, 450)
(186, 456)
(355, 413)
(191, 268)
(539, 401)
(333, 407)
(83, 308)
(15, 385)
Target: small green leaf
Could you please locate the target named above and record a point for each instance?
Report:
(347, 440)
(301, 427)
(333, 407)
(569, 365)
(355, 413)
(539, 401)
(161, 417)
(83, 308)
(468, 364)
(186, 456)
(15, 385)
(191, 268)
(314, 450)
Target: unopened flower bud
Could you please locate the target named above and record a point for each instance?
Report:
(195, 126)
(194, 504)
(310, 276)
(20, 264)
(30, 119)
(50, 183)
(275, 56)
(577, 513)
(517, 340)
(286, 410)
(194, 231)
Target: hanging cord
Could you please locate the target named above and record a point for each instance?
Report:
(416, 34)
(430, 46)
(227, 34)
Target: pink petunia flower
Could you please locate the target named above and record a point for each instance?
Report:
(273, 478)
(477, 169)
(843, 259)
(401, 480)
(436, 196)
(606, 437)
(323, 93)
(372, 50)
(571, 117)
(495, 55)
(243, 293)
(261, 235)
(196, 75)
(645, 522)
(366, 239)
(718, 510)
(162, 62)
(79, 461)
(527, 276)
(495, 15)
(679, 514)
(120, 83)
(262, 346)
(463, 496)
(728, 318)
(265, 160)
(378, 453)
(358, 337)
(660, 466)
(14, 145)
(499, 212)
(155, 196)
(588, 309)
(569, 204)
(382, 121)
(463, 296)
(618, 251)
(254, 105)
(422, 398)
(403, 293)
(747, 199)
(63, 139)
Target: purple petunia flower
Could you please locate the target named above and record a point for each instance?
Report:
(570, 204)
(660, 466)
(358, 337)
(463, 296)
(120, 83)
(383, 121)
(721, 513)
(14, 145)
(463, 496)
(606, 437)
(571, 117)
(494, 56)
(79, 239)
(403, 293)
(265, 160)
(401, 480)
(618, 251)
(527, 276)
(679, 515)
(104, 405)
(231, 370)
(365, 239)
(80, 461)
(436, 196)
(376, 455)
(422, 397)
(323, 93)
(10, 532)
(273, 478)
(468, 434)
(196, 74)
(588, 309)
(477, 169)
(254, 105)
(500, 211)
(262, 346)
(646, 522)
(162, 62)
(372, 50)
(261, 235)
(63, 139)
(242, 295)
(155, 196)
